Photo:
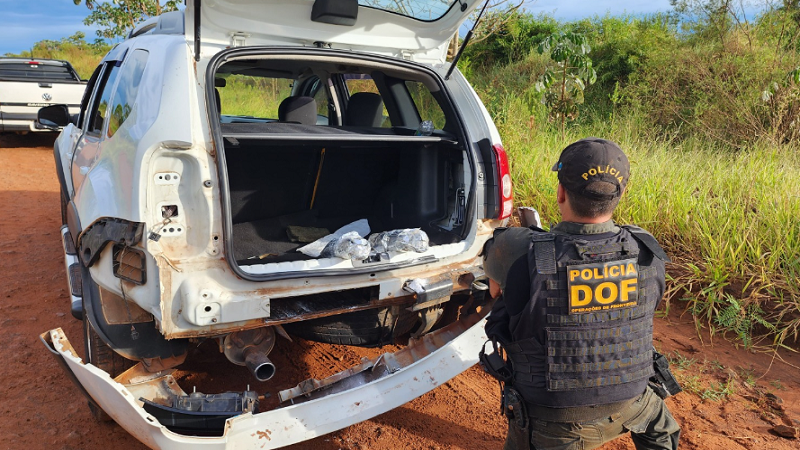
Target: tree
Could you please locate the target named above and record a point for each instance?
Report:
(561, 86)
(118, 17)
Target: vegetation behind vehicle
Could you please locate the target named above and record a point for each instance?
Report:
(708, 108)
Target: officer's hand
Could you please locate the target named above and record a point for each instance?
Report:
(494, 289)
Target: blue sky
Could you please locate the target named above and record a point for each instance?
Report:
(22, 23)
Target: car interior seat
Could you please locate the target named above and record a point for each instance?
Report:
(365, 109)
(301, 110)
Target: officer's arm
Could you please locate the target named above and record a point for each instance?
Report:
(660, 279)
(497, 323)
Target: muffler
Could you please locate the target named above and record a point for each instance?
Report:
(250, 349)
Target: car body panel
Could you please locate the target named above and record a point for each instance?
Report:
(417, 369)
(185, 265)
(168, 155)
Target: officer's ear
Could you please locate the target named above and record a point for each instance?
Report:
(561, 194)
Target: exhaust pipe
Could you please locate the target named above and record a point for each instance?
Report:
(259, 364)
(250, 348)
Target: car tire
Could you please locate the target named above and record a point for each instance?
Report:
(368, 328)
(97, 353)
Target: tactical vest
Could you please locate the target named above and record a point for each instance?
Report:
(593, 301)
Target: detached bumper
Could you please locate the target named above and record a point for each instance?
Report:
(319, 406)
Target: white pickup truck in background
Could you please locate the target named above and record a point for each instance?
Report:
(29, 84)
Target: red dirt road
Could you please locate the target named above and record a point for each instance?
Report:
(41, 409)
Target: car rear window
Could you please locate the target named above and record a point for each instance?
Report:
(28, 71)
(425, 10)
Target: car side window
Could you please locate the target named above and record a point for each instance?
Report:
(246, 97)
(427, 106)
(323, 105)
(124, 97)
(87, 94)
(100, 106)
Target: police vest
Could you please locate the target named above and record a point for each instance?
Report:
(594, 301)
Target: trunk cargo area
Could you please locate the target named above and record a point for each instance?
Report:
(283, 175)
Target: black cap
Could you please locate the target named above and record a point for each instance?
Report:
(586, 162)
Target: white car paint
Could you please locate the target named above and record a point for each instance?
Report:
(289, 424)
(275, 22)
(192, 290)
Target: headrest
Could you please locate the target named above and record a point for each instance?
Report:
(298, 109)
(364, 109)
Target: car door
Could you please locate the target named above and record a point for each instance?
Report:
(94, 122)
(419, 30)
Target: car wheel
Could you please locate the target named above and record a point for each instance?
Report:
(97, 353)
(368, 328)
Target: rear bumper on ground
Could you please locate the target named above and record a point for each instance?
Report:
(320, 406)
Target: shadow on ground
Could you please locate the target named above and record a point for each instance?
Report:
(27, 140)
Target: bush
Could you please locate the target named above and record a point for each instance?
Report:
(710, 123)
(719, 90)
(513, 38)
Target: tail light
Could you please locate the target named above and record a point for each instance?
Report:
(504, 182)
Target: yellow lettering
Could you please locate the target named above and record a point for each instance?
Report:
(628, 286)
(600, 170)
(592, 171)
(597, 275)
(580, 295)
(573, 274)
(585, 176)
(631, 269)
(619, 178)
(601, 289)
(614, 271)
(586, 274)
(605, 271)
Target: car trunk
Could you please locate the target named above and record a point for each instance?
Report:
(284, 175)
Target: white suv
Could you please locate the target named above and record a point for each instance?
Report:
(214, 143)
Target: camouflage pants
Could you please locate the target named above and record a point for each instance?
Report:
(650, 423)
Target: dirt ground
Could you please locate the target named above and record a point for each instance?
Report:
(733, 397)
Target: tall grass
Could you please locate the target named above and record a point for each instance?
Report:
(710, 118)
(731, 220)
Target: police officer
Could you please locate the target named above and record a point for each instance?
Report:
(575, 318)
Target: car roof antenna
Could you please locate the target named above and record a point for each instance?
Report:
(466, 41)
